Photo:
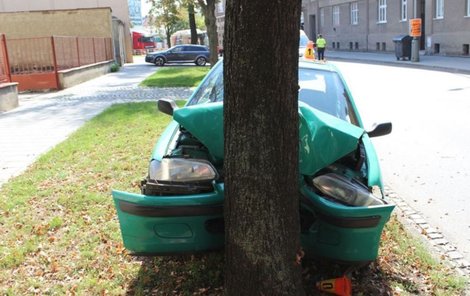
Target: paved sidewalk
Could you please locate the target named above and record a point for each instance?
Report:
(434, 62)
(44, 120)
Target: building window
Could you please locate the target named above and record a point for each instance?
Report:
(404, 10)
(322, 17)
(382, 11)
(468, 8)
(355, 13)
(220, 7)
(336, 15)
(439, 9)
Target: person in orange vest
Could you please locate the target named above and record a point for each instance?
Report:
(321, 45)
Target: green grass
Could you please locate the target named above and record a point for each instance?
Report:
(59, 232)
(409, 255)
(176, 77)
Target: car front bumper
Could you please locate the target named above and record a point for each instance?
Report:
(158, 225)
(165, 225)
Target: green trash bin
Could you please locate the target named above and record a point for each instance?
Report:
(341, 232)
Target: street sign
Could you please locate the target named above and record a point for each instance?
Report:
(415, 27)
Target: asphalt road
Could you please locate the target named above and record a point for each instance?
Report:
(425, 158)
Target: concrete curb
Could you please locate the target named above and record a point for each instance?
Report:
(434, 239)
(402, 64)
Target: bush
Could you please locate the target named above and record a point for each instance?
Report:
(114, 67)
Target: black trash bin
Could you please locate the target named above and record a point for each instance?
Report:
(402, 46)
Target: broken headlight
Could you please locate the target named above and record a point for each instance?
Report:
(181, 170)
(345, 191)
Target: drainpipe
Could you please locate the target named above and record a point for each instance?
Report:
(367, 25)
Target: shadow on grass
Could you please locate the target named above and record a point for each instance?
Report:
(203, 275)
(200, 274)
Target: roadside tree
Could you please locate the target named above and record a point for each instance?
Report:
(262, 251)
(208, 10)
(166, 14)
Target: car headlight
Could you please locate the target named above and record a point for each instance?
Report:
(181, 170)
(345, 191)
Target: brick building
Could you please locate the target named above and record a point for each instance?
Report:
(370, 25)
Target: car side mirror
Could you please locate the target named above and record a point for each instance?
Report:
(166, 106)
(380, 129)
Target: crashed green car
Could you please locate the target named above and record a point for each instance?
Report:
(180, 207)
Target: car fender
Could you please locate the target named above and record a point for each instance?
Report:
(201, 56)
(159, 56)
(374, 176)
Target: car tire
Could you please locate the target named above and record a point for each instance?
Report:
(159, 61)
(201, 61)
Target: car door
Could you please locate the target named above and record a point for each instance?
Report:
(190, 53)
(174, 54)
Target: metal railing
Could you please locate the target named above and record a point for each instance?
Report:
(46, 54)
(35, 62)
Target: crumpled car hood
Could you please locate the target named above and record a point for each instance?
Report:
(323, 137)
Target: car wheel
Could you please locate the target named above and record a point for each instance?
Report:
(201, 61)
(159, 61)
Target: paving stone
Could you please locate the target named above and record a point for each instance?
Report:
(443, 243)
(416, 217)
(409, 212)
(462, 263)
(37, 113)
(430, 229)
(447, 247)
(420, 221)
(454, 255)
(435, 235)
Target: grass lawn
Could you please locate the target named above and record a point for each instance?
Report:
(176, 77)
(60, 235)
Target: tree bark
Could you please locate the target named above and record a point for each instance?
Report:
(168, 36)
(192, 23)
(208, 10)
(261, 128)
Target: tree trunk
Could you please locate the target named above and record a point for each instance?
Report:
(261, 129)
(192, 23)
(208, 10)
(168, 36)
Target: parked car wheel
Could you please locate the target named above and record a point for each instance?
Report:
(201, 61)
(159, 61)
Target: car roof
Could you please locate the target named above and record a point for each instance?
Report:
(317, 65)
(309, 64)
(192, 45)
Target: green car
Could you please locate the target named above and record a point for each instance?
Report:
(180, 207)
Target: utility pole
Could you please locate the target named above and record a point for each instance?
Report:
(415, 32)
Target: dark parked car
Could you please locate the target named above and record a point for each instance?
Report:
(185, 53)
(342, 206)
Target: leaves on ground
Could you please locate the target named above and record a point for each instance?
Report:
(59, 233)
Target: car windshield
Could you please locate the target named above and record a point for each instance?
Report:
(320, 89)
(303, 40)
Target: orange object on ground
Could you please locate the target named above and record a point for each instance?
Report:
(338, 286)
(309, 53)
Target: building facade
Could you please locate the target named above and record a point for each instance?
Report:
(371, 25)
(135, 12)
(71, 26)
